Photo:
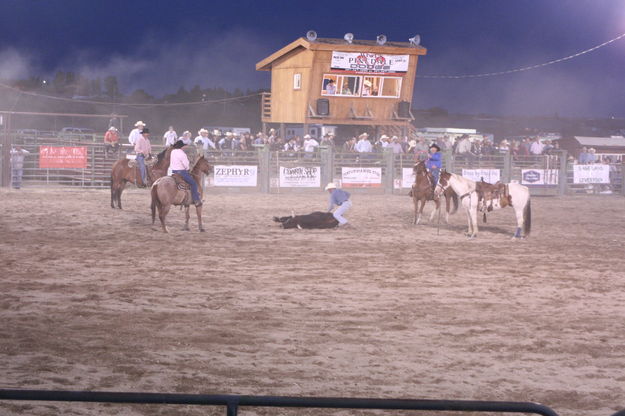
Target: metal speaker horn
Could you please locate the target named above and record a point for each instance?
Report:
(311, 35)
(415, 40)
(349, 37)
(381, 39)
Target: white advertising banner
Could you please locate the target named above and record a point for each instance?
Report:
(369, 62)
(407, 177)
(476, 175)
(591, 174)
(235, 175)
(361, 177)
(300, 177)
(539, 176)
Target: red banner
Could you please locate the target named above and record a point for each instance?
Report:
(54, 157)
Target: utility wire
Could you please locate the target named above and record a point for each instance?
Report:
(525, 68)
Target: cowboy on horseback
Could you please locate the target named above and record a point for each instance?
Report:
(143, 150)
(180, 164)
(434, 163)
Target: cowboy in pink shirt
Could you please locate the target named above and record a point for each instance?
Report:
(143, 149)
(179, 163)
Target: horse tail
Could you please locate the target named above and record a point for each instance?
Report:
(454, 198)
(527, 218)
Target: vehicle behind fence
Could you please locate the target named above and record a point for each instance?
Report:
(57, 161)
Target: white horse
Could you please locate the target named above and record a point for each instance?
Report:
(519, 199)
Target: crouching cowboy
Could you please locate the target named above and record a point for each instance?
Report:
(339, 198)
(434, 163)
(179, 163)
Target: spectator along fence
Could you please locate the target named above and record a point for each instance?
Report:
(84, 164)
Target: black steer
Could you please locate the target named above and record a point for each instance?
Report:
(313, 220)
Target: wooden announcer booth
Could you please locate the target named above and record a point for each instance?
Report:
(335, 82)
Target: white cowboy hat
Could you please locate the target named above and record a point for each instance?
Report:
(384, 136)
(186, 133)
(216, 132)
(200, 131)
(228, 133)
(139, 123)
(307, 136)
(112, 128)
(331, 185)
(368, 83)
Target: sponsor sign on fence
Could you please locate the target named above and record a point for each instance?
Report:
(62, 157)
(407, 178)
(235, 175)
(539, 176)
(361, 177)
(476, 175)
(591, 173)
(300, 177)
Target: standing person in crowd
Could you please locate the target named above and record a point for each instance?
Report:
(179, 163)
(537, 148)
(236, 142)
(136, 132)
(396, 145)
(203, 140)
(348, 146)
(310, 144)
(420, 149)
(111, 141)
(186, 138)
(434, 163)
(170, 137)
(504, 147)
(328, 141)
(463, 147)
(143, 150)
(363, 145)
(17, 154)
(524, 147)
(331, 87)
(340, 198)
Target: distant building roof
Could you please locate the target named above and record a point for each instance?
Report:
(357, 45)
(601, 141)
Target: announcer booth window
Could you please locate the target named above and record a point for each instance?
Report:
(391, 87)
(341, 85)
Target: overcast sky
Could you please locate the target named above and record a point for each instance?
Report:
(161, 45)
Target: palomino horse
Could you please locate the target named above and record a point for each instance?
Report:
(423, 191)
(122, 173)
(515, 195)
(165, 193)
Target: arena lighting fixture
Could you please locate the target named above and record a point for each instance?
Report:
(381, 39)
(415, 40)
(349, 37)
(311, 35)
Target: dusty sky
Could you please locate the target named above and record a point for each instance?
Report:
(161, 45)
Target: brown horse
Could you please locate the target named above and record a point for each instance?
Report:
(165, 193)
(122, 173)
(423, 190)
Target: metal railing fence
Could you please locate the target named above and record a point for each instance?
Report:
(233, 402)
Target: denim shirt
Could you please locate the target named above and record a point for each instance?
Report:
(337, 197)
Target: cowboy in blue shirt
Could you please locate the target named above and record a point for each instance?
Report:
(340, 198)
(434, 162)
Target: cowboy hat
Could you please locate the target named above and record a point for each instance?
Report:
(229, 133)
(307, 136)
(139, 123)
(112, 128)
(384, 136)
(200, 131)
(437, 147)
(216, 132)
(367, 83)
(331, 185)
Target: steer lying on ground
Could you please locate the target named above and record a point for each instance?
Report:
(313, 220)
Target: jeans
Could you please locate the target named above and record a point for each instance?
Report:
(342, 209)
(435, 174)
(195, 193)
(16, 178)
(141, 161)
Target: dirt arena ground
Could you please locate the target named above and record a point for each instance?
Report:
(98, 299)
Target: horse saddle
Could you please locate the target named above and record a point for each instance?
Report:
(183, 197)
(487, 193)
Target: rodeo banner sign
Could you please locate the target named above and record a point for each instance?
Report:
(369, 62)
(488, 175)
(235, 175)
(300, 177)
(539, 176)
(361, 177)
(591, 173)
(62, 157)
